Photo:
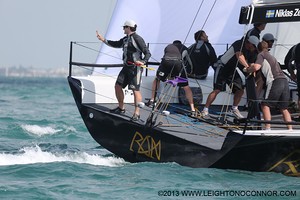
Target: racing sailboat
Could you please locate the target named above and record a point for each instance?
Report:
(166, 132)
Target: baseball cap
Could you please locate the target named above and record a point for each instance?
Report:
(268, 37)
(129, 23)
(253, 40)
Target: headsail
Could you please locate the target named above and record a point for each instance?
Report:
(161, 22)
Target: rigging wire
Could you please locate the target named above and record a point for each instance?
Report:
(84, 46)
(199, 8)
(209, 13)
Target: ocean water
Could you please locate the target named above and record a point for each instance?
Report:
(47, 153)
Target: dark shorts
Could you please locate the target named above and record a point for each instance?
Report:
(277, 94)
(169, 69)
(131, 76)
(221, 79)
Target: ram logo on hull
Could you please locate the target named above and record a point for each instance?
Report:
(146, 145)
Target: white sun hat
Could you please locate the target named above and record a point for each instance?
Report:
(130, 23)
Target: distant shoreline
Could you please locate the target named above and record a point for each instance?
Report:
(37, 72)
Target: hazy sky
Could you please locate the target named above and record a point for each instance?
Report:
(37, 33)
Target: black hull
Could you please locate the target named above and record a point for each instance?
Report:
(139, 143)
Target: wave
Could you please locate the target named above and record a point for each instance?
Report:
(32, 155)
(45, 130)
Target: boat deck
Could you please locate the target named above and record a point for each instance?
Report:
(217, 123)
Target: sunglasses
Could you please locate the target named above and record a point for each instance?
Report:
(125, 27)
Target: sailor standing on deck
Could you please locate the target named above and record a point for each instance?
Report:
(230, 64)
(277, 87)
(133, 47)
